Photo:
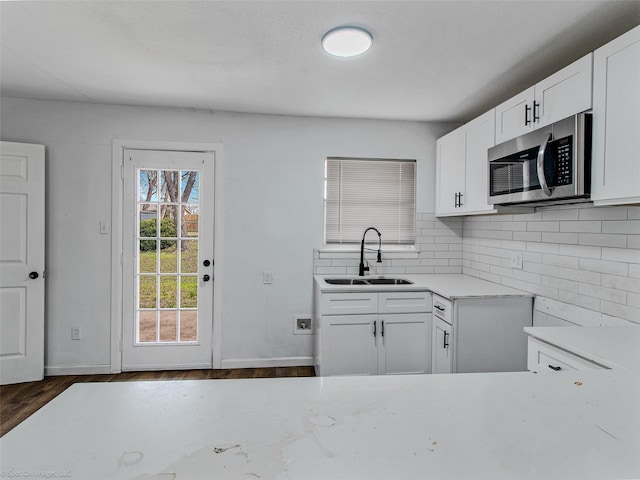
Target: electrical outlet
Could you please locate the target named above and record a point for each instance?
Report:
(267, 278)
(516, 260)
(104, 227)
(302, 325)
(75, 333)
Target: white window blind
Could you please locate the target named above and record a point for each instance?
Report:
(362, 193)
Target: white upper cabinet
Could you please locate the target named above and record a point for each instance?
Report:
(559, 96)
(514, 117)
(616, 121)
(461, 168)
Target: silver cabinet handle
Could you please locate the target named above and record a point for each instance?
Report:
(540, 165)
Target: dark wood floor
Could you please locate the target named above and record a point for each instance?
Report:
(19, 401)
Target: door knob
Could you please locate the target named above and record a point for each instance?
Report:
(206, 263)
(206, 278)
(33, 275)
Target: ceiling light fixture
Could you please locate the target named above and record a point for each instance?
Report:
(346, 41)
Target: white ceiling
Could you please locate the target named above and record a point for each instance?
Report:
(431, 60)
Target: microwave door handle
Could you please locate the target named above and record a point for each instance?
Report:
(540, 165)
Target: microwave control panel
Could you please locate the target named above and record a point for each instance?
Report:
(563, 161)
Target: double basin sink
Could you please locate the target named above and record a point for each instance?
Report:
(367, 281)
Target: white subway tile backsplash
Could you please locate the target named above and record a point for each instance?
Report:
(621, 311)
(561, 214)
(603, 293)
(543, 227)
(602, 240)
(514, 226)
(621, 226)
(541, 268)
(590, 303)
(560, 284)
(583, 226)
(560, 260)
(528, 236)
(543, 290)
(542, 247)
(621, 255)
(579, 275)
(580, 251)
(627, 284)
(553, 237)
(603, 213)
(603, 266)
(583, 257)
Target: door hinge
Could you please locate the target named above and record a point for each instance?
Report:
(121, 259)
(122, 171)
(120, 345)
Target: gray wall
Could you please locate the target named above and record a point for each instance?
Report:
(272, 188)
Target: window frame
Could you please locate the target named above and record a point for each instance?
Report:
(349, 246)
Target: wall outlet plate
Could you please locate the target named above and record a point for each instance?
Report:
(75, 333)
(516, 260)
(302, 325)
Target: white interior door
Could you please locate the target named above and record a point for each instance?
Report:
(21, 262)
(168, 249)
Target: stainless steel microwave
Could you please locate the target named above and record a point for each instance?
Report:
(550, 164)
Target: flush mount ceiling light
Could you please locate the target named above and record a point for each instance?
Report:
(346, 41)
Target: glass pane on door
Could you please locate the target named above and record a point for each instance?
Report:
(168, 227)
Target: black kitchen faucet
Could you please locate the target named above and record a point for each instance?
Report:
(379, 260)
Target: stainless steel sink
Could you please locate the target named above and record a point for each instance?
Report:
(368, 281)
(388, 281)
(345, 281)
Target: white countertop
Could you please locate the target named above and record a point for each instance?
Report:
(450, 285)
(612, 347)
(462, 426)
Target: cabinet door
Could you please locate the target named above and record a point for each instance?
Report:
(449, 172)
(403, 343)
(564, 93)
(349, 345)
(479, 137)
(616, 121)
(515, 116)
(441, 349)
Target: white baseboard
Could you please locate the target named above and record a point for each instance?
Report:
(155, 368)
(267, 362)
(57, 370)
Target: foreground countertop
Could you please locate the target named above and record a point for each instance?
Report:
(450, 285)
(576, 425)
(611, 347)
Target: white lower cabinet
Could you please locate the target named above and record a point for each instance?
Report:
(480, 334)
(395, 338)
(544, 357)
(441, 351)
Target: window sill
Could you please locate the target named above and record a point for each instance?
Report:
(388, 251)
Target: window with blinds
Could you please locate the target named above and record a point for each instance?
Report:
(362, 193)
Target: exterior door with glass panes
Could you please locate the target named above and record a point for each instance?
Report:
(168, 262)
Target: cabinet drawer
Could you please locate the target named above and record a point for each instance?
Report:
(349, 303)
(443, 308)
(543, 357)
(404, 302)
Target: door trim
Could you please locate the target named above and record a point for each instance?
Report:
(117, 206)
